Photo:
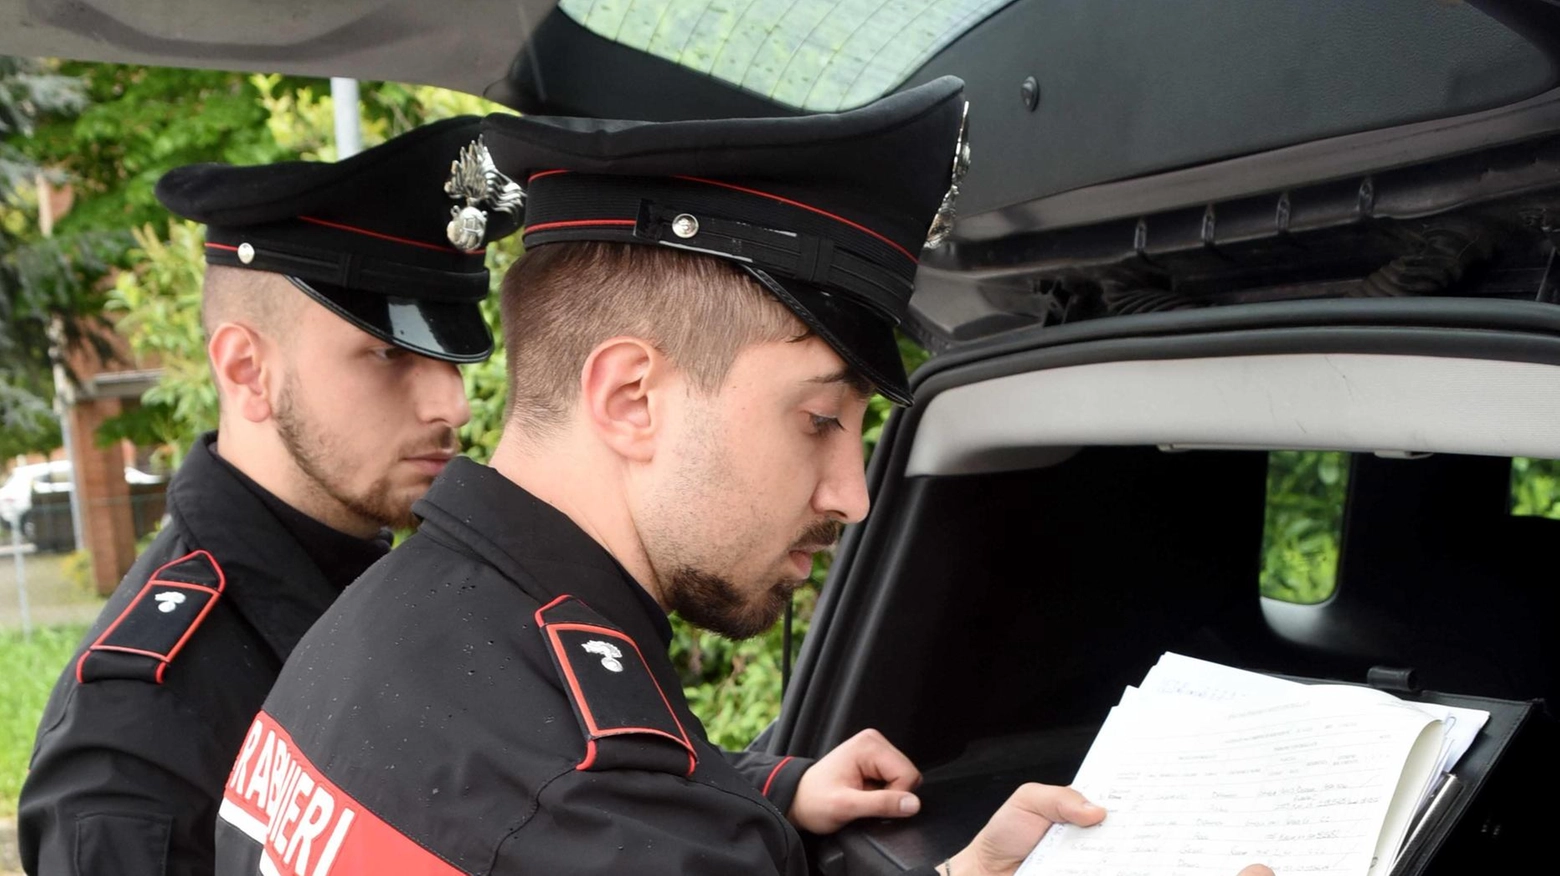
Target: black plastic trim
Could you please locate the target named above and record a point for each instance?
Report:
(829, 658)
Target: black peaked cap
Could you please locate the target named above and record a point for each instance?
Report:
(365, 236)
(829, 212)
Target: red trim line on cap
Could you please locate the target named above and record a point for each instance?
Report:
(541, 173)
(809, 207)
(576, 223)
(222, 246)
(363, 231)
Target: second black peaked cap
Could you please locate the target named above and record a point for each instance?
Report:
(829, 212)
(368, 237)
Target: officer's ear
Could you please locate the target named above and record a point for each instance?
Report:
(238, 365)
(622, 391)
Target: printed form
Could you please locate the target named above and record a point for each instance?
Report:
(1323, 782)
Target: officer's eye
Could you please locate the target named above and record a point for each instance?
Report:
(388, 353)
(825, 425)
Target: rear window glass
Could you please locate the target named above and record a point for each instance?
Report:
(1303, 524)
(1535, 488)
(817, 55)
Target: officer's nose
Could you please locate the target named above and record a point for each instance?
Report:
(442, 393)
(842, 494)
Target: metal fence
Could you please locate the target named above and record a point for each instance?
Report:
(49, 525)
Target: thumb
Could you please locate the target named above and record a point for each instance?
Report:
(878, 804)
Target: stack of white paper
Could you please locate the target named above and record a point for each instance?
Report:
(1206, 769)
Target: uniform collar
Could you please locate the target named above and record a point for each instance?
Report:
(342, 557)
(272, 582)
(537, 546)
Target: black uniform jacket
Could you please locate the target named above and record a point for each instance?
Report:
(495, 698)
(142, 727)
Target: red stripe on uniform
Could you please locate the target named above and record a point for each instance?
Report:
(774, 772)
(304, 823)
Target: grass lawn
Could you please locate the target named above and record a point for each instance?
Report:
(27, 673)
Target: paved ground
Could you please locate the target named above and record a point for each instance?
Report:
(52, 598)
(10, 857)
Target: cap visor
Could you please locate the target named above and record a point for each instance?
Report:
(440, 330)
(861, 337)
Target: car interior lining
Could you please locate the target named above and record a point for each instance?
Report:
(1093, 516)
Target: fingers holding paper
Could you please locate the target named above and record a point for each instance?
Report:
(1020, 823)
(1012, 832)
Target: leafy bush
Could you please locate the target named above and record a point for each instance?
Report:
(28, 668)
(1535, 487)
(1304, 521)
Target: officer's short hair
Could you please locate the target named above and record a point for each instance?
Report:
(562, 299)
(264, 301)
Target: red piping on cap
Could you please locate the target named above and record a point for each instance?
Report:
(808, 207)
(363, 231)
(577, 223)
(736, 188)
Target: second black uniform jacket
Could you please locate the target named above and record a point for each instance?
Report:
(133, 750)
(495, 698)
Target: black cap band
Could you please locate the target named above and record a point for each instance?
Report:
(258, 250)
(829, 212)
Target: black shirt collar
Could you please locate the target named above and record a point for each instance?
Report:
(341, 557)
(524, 536)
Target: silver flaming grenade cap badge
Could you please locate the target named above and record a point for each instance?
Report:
(942, 223)
(476, 181)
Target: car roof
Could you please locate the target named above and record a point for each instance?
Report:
(1093, 131)
(401, 40)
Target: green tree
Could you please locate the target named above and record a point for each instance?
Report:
(30, 292)
(136, 124)
(1535, 487)
(1303, 525)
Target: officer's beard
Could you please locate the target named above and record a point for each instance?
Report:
(324, 463)
(713, 602)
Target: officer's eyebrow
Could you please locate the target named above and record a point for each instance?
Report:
(848, 376)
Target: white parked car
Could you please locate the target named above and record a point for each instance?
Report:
(17, 495)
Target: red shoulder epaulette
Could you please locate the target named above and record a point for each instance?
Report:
(624, 714)
(148, 634)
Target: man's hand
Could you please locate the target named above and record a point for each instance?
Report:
(865, 776)
(1011, 834)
